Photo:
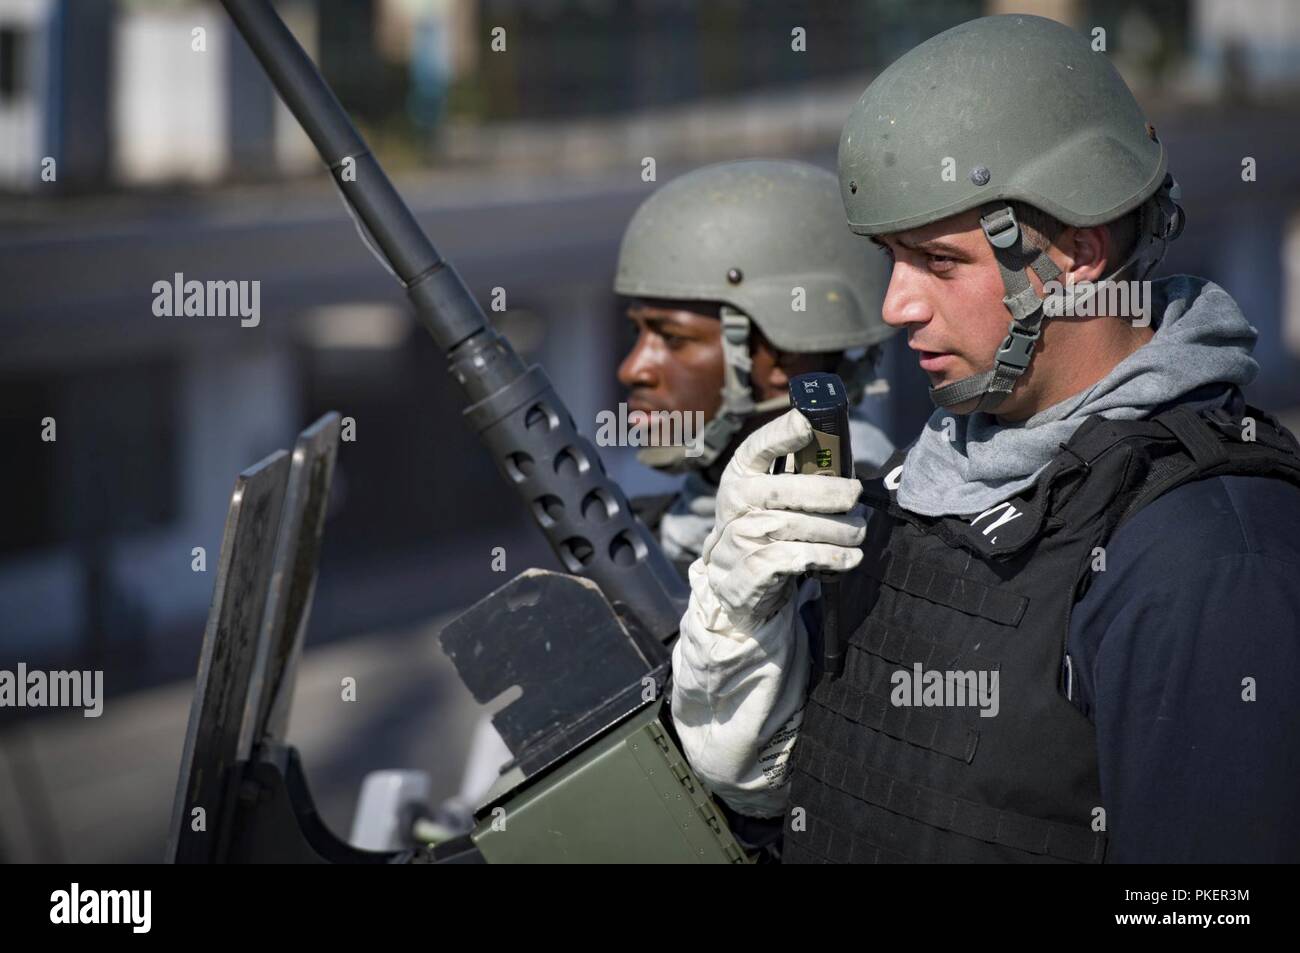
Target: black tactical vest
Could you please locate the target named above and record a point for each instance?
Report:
(875, 780)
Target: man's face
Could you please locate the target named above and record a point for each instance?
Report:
(946, 292)
(676, 362)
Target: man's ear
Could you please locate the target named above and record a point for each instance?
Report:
(767, 375)
(1088, 254)
(782, 370)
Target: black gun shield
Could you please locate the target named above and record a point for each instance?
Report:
(293, 585)
(260, 604)
(557, 638)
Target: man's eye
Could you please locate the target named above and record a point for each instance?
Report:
(674, 341)
(941, 262)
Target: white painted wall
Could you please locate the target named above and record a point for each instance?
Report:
(169, 101)
(22, 120)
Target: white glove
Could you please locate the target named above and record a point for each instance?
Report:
(772, 527)
(741, 664)
(738, 701)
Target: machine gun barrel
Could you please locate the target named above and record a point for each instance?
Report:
(530, 433)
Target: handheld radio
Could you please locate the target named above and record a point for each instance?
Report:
(824, 400)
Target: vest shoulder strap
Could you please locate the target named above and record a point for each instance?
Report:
(1197, 446)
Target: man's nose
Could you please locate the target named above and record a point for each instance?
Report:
(905, 304)
(640, 367)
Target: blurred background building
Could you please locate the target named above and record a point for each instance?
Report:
(139, 139)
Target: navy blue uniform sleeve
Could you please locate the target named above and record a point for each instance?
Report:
(1185, 653)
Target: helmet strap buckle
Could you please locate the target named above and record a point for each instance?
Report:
(1001, 228)
(1018, 346)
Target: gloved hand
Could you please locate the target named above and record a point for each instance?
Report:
(772, 527)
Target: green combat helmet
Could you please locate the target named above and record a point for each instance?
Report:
(1007, 108)
(749, 234)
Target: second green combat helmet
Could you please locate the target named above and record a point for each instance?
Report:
(765, 240)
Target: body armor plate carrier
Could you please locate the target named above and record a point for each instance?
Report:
(885, 782)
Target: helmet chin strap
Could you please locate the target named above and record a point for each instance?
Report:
(1014, 256)
(1161, 220)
